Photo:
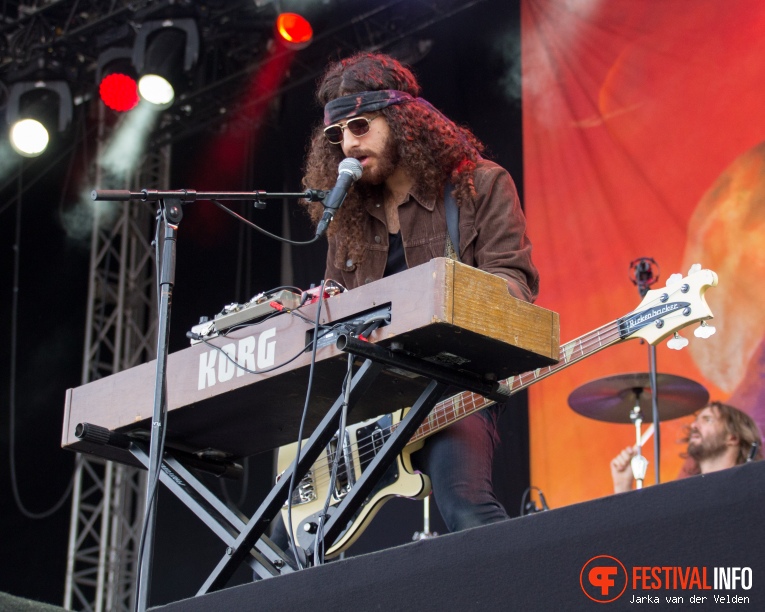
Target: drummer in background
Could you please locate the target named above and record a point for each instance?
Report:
(720, 437)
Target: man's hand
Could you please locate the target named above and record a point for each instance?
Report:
(621, 470)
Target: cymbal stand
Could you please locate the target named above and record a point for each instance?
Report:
(639, 463)
(643, 276)
(426, 533)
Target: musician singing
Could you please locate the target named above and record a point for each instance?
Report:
(395, 217)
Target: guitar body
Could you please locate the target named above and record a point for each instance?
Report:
(362, 441)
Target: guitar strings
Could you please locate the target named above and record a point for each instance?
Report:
(469, 402)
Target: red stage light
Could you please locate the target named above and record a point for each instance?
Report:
(294, 30)
(119, 92)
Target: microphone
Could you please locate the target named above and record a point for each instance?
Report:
(349, 171)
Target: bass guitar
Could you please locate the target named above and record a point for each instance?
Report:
(661, 313)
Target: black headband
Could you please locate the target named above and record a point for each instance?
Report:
(357, 104)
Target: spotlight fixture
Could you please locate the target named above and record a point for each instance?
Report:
(116, 78)
(163, 52)
(33, 110)
(293, 30)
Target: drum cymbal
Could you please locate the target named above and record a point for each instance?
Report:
(612, 398)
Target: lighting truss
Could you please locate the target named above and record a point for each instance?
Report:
(67, 36)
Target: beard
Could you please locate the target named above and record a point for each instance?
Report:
(385, 164)
(708, 448)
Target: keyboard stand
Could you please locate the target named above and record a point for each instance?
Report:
(245, 540)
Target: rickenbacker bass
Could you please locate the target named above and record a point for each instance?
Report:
(661, 313)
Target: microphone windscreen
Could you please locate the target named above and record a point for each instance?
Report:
(352, 166)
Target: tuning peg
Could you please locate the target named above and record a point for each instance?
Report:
(704, 330)
(677, 342)
(674, 279)
(694, 268)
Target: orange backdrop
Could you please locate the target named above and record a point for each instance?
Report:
(643, 130)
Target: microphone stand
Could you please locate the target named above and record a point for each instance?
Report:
(644, 277)
(170, 215)
(191, 195)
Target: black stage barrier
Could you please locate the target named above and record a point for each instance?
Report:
(11, 603)
(698, 540)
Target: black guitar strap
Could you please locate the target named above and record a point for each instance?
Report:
(452, 222)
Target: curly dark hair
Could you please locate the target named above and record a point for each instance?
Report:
(432, 147)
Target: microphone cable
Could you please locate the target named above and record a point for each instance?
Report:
(260, 229)
(527, 508)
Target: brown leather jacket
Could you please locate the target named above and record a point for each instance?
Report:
(492, 235)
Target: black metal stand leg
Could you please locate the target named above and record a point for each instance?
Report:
(245, 540)
(172, 213)
(264, 558)
(652, 372)
(268, 509)
(382, 461)
(646, 273)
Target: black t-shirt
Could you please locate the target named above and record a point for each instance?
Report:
(396, 259)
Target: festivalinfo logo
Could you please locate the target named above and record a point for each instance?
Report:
(604, 579)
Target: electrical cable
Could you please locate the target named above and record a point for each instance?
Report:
(260, 229)
(272, 368)
(12, 386)
(318, 554)
(303, 417)
(531, 503)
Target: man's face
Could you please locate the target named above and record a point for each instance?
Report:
(708, 437)
(376, 150)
